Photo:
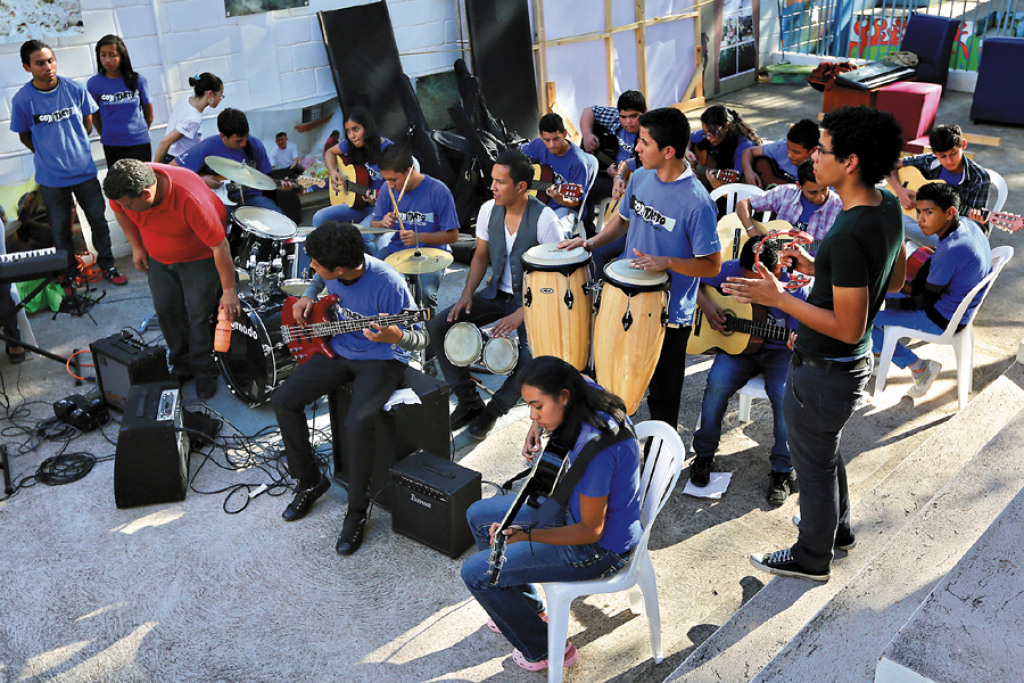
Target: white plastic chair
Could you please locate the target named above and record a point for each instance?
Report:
(999, 184)
(664, 463)
(735, 193)
(962, 341)
(592, 168)
(754, 388)
(602, 209)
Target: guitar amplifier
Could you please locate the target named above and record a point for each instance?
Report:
(398, 432)
(151, 461)
(123, 362)
(431, 496)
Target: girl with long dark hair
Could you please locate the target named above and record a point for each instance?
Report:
(722, 138)
(125, 110)
(591, 537)
(362, 146)
(184, 124)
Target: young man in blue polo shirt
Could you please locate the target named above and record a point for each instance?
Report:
(53, 118)
(670, 225)
(568, 162)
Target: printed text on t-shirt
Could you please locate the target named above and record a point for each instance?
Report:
(652, 215)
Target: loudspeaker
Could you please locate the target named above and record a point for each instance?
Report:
(431, 496)
(397, 432)
(151, 461)
(123, 362)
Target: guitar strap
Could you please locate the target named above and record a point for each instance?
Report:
(559, 498)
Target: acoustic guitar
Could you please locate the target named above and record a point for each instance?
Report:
(770, 173)
(912, 179)
(304, 340)
(544, 178)
(733, 235)
(746, 327)
(355, 184)
(917, 268)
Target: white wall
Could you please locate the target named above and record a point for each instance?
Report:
(274, 60)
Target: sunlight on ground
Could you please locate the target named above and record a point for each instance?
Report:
(158, 518)
(439, 631)
(101, 610)
(100, 666)
(36, 666)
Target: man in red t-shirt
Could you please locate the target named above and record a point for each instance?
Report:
(175, 225)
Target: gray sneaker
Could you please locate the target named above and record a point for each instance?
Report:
(923, 380)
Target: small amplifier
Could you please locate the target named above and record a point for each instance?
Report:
(397, 432)
(122, 362)
(151, 460)
(431, 496)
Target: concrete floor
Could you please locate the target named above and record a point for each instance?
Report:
(419, 624)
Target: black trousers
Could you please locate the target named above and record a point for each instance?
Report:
(113, 154)
(186, 297)
(665, 391)
(372, 381)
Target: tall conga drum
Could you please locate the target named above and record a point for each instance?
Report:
(555, 305)
(629, 330)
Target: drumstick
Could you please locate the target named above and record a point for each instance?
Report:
(404, 184)
(395, 204)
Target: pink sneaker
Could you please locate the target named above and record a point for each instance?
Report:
(572, 655)
(494, 627)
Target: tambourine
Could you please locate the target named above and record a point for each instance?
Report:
(796, 279)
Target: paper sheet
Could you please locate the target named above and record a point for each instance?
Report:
(402, 396)
(715, 488)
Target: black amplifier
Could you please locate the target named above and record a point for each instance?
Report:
(398, 432)
(431, 496)
(151, 461)
(122, 362)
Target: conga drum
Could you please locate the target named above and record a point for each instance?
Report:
(556, 308)
(629, 330)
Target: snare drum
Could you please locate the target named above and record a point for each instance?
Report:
(556, 307)
(298, 273)
(629, 330)
(258, 361)
(465, 344)
(258, 233)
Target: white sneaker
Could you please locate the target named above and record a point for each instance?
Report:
(923, 380)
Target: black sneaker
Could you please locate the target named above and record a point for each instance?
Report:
(780, 485)
(482, 424)
(206, 386)
(847, 541)
(781, 562)
(700, 470)
(351, 533)
(465, 413)
(304, 499)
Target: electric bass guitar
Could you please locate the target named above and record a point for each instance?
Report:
(912, 179)
(544, 178)
(548, 468)
(746, 327)
(304, 340)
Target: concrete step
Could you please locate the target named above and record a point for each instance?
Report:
(758, 631)
(844, 641)
(968, 627)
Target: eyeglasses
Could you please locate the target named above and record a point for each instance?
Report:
(713, 133)
(822, 150)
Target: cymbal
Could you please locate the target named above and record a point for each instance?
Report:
(419, 261)
(367, 230)
(238, 172)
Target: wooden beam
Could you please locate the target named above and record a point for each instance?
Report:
(609, 49)
(983, 140)
(641, 46)
(598, 35)
(542, 56)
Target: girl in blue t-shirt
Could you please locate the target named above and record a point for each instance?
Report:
(125, 111)
(592, 537)
(362, 146)
(720, 143)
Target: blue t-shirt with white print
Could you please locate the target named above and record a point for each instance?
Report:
(122, 122)
(428, 208)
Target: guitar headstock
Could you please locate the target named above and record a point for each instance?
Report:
(1010, 222)
(571, 191)
(725, 175)
(310, 181)
(416, 315)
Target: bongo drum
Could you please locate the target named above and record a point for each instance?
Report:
(463, 344)
(500, 355)
(629, 330)
(556, 307)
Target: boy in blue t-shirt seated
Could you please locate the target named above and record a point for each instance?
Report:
(729, 373)
(961, 260)
(947, 163)
(788, 154)
(568, 162)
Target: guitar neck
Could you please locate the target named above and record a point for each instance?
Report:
(331, 328)
(352, 186)
(757, 329)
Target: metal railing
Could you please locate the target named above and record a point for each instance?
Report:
(870, 29)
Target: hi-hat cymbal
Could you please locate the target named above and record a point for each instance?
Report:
(238, 172)
(367, 230)
(419, 261)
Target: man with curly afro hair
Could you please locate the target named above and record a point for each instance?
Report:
(860, 259)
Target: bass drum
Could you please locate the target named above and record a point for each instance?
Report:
(258, 361)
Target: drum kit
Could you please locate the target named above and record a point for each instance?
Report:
(269, 253)
(628, 317)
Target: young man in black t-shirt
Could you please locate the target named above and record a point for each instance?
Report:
(861, 259)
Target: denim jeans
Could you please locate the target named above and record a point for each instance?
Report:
(918, 320)
(424, 287)
(59, 207)
(728, 375)
(347, 214)
(818, 404)
(482, 312)
(514, 603)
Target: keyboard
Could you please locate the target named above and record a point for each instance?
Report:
(32, 265)
(875, 75)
